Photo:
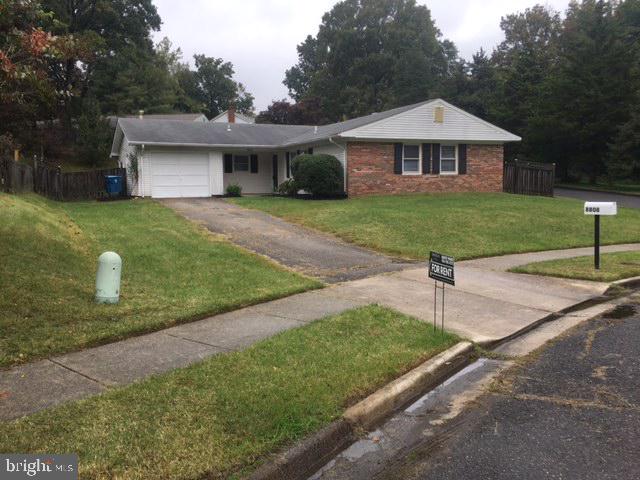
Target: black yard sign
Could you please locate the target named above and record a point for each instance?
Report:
(441, 268)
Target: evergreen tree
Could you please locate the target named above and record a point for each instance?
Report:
(370, 55)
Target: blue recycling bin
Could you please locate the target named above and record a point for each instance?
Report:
(113, 184)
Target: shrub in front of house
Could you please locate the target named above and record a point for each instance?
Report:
(318, 174)
(234, 190)
(288, 188)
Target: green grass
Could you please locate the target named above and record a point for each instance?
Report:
(221, 417)
(613, 266)
(463, 225)
(173, 271)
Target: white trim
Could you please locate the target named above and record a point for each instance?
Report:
(419, 171)
(456, 150)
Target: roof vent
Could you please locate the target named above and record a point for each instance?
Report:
(438, 114)
(315, 129)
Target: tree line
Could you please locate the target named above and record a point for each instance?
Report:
(66, 64)
(567, 82)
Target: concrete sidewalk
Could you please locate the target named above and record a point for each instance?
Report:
(487, 304)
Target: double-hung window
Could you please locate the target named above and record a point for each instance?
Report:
(448, 159)
(241, 163)
(411, 159)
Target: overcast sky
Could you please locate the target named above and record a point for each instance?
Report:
(260, 36)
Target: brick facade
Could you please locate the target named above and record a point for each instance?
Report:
(370, 171)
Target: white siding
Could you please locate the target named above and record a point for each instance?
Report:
(216, 172)
(419, 124)
(224, 118)
(261, 182)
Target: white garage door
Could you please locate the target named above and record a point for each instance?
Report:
(179, 175)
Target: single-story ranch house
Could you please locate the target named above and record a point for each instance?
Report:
(430, 146)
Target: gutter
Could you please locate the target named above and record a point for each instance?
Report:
(204, 145)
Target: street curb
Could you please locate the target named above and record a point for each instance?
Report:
(627, 282)
(309, 455)
(312, 453)
(389, 398)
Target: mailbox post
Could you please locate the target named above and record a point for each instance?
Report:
(596, 209)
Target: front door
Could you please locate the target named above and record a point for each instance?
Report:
(275, 172)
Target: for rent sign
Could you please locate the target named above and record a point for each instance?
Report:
(441, 268)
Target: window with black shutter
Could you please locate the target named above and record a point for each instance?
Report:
(426, 158)
(254, 163)
(228, 163)
(397, 159)
(462, 158)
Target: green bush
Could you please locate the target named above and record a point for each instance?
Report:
(234, 190)
(288, 188)
(319, 174)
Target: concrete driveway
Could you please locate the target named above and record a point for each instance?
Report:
(307, 251)
(629, 201)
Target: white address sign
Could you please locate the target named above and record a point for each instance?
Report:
(600, 208)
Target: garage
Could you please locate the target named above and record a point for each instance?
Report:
(179, 174)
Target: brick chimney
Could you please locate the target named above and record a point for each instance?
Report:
(231, 114)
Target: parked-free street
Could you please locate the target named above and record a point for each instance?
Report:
(629, 201)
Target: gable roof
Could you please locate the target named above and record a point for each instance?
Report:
(169, 132)
(414, 121)
(245, 117)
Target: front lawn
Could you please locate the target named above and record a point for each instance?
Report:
(467, 225)
(613, 266)
(219, 418)
(173, 271)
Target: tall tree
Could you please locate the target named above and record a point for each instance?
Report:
(591, 88)
(112, 40)
(213, 86)
(370, 55)
(304, 112)
(523, 62)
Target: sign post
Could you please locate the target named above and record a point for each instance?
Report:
(441, 269)
(596, 209)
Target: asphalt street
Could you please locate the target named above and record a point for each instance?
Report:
(569, 410)
(629, 201)
(573, 412)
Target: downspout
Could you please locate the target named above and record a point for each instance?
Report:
(344, 149)
(141, 172)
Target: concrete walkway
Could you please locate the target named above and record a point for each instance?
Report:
(310, 252)
(487, 304)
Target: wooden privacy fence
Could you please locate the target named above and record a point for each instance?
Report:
(90, 184)
(529, 178)
(51, 182)
(15, 177)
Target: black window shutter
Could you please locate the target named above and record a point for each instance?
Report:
(254, 163)
(435, 165)
(288, 158)
(228, 163)
(462, 158)
(426, 158)
(397, 159)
